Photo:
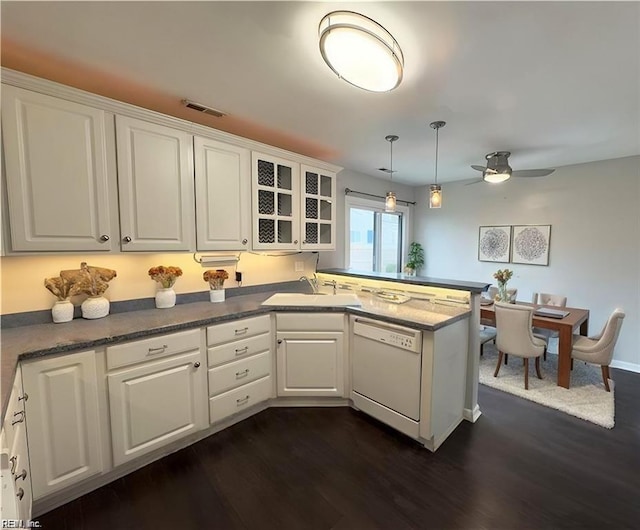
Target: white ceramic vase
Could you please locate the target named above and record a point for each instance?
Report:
(216, 295)
(95, 307)
(62, 311)
(165, 298)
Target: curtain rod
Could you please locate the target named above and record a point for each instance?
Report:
(349, 190)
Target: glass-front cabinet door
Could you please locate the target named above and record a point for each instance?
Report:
(276, 192)
(318, 208)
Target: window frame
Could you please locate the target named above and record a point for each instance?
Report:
(368, 204)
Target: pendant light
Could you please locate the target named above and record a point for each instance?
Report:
(390, 200)
(435, 190)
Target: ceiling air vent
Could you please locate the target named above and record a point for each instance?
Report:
(202, 108)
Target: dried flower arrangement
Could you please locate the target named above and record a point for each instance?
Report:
(59, 287)
(503, 276)
(215, 278)
(165, 276)
(93, 281)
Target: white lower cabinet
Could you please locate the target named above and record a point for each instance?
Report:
(240, 363)
(156, 402)
(15, 471)
(310, 355)
(63, 421)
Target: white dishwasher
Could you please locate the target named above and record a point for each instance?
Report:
(386, 363)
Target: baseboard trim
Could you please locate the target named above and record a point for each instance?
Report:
(629, 367)
(472, 415)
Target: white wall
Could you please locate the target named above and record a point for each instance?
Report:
(594, 213)
(359, 182)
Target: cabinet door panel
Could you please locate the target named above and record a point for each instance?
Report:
(155, 404)
(155, 186)
(223, 195)
(318, 209)
(57, 173)
(310, 364)
(63, 424)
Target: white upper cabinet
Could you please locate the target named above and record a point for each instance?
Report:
(223, 195)
(276, 203)
(57, 162)
(318, 209)
(155, 186)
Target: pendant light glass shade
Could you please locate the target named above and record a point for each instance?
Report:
(360, 51)
(390, 200)
(435, 190)
(435, 196)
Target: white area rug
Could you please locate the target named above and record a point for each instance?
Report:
(586, 399)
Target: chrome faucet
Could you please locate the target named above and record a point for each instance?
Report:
(313, 282)
(333, 284)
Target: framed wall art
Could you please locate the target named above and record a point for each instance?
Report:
(494, 243)
(530, 244)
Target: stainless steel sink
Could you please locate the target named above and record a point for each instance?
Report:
(314, 300)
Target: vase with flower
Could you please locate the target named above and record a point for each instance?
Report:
(216, 279)
(92, 281)
(62, 311)
(502, 277)
(166, 278)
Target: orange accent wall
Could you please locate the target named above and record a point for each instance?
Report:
(18, 57)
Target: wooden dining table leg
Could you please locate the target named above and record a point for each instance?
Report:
(565, 345)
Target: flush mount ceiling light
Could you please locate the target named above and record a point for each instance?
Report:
(498, 168)
(435, 190)
(390, 199)
(360, 51)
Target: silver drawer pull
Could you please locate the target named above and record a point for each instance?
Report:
(154, 351)
(22, 475)
(241, 331)
(15, 415)
(244, 373)
(20, 493)
(23, 397)
(14, 461)
(242, 401)
(240, 351)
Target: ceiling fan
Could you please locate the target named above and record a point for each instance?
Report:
(499, 170)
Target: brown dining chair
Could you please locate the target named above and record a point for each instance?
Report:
(514, 337)
(556, 300)
(599, 348)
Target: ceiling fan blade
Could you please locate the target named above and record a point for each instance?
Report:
(532, 172)
(479, 168)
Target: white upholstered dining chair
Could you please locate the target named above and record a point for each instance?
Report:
(599, 348)
(514, 337)
(556, 300)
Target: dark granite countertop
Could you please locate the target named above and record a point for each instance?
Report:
(473, 287)
(39, 340)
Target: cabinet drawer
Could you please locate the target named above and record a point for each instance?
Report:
(239, 373)
(238, 329)
(310, 322)
(154, 348)
(239, 399)
(239, 349)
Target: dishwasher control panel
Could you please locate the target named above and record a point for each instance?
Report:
(395, 336)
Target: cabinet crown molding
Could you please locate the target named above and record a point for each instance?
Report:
(52, 88)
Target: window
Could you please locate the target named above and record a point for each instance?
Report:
(375, 237)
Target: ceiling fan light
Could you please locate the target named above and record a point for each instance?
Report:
(494, 177)
(390, 202)
(360, 51)
(435, 196)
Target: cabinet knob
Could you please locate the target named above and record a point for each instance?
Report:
(196, 364)
(14, 461)
(304, 242)
(20, 493)
(126, 239)
(245, 241)
(279, 341)
(23, 397)
(295, 242)
(104, 237)
(22, 475)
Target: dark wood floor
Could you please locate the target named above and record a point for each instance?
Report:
(521, 466)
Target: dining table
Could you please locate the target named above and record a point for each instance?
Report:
(575, 318)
